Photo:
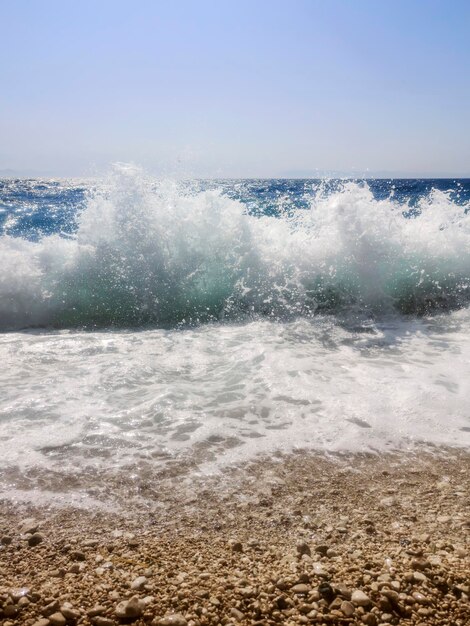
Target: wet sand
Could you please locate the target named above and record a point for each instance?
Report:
(302, 539)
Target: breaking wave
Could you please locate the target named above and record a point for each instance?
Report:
(148, 253)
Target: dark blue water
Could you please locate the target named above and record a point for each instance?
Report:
(35, 208)
(131, 251)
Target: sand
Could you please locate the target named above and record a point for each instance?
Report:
(302, 539)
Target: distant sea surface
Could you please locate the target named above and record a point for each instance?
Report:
(150, 322)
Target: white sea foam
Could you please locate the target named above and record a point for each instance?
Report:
(147, 253)
(221, 393)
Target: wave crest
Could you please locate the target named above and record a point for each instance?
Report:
(147, 253)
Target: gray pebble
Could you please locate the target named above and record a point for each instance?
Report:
(359, 598)
(139, 582)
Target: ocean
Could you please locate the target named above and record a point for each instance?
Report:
(148, 325)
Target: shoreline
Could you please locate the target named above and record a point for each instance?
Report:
(300, 539)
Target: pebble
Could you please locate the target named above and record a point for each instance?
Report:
(238, 615)
(236, 546)
(369, 619)
(52, 607)
(420, 598)
(130, 609)
(384, 604)
(326, 591)
(10, 610)
(35, 539)
(42, 622)
(139, 583)
(103, 621)
(359, 598)
(29, 526)
(391, 595)
(300, 589)
(175, 619)
(303, 548)
(69, 613)
(57, 619)
(281, 603)
(96, 610)
(133, 542)
(319, 570)
(281, 584)
(423, 611)
(347, 608)
(57, 573)
(420, 564)
(342, 590)
(17, 594)
(336, 604)
(90, 543)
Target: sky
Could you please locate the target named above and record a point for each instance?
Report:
(236, 88)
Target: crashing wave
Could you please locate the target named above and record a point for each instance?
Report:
(146, 253)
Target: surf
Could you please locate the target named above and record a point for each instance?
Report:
(146, 252)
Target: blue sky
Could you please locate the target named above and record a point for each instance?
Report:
(236, 88)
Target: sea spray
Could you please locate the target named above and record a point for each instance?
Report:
(146, 252)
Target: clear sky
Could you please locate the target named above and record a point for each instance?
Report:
(236, 87)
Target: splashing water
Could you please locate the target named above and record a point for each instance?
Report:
(148, 253)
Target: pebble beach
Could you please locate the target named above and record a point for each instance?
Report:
(235, 313)
(301, 539)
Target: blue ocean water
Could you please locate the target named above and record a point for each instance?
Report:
(148, 323)
(136, 251)
(33, 208)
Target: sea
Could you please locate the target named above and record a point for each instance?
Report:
(149, 323)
